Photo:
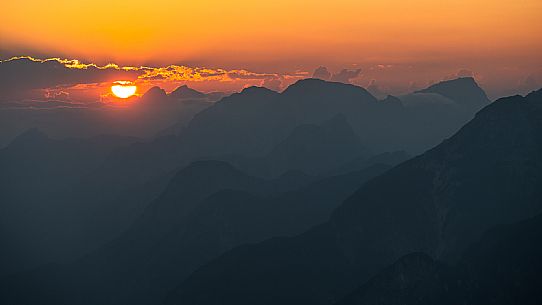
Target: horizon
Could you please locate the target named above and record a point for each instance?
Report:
(100, 77)
(391, 46)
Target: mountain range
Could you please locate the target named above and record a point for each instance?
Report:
(438, 203)
(308, 196)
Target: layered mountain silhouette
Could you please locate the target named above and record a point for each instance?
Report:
(208, 208)
(250, 124)
(155, 112)
(299, 197)
(438, 203)
(312, 149)
(254, 121)
(316, 149)
(464, 91)
(36, 172)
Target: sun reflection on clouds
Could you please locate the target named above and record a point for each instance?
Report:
(168, 77)
(42, 78)
(171, 72)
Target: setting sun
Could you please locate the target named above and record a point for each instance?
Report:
(123, 89)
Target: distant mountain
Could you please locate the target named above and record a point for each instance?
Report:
(177, 108)
(464, 91)
(309, 148)
(184, 92)
(208, 208)
(254, 121)
(488, 173)
(154, 94)
(502, 268)
(142, 117)
(33, 161)
(315, 149)
(36, 173)
(237, 124)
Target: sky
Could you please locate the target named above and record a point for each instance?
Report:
(398, 45)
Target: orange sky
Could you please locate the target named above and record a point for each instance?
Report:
(436, 37)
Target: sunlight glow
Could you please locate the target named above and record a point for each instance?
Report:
(123, 89)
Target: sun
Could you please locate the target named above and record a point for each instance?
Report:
(123, 89)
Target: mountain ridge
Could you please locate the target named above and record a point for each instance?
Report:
(437, 203)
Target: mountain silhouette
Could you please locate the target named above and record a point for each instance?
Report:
(154, 94)
(184, 92)
(234, 125)
(315, 149)
(415, 278)
(137, 220)
(464, 91)
(250, 124)
(254, 121)
(438, 203)
(208, 208)
(501, 268)
(310, 148)
(36, 173)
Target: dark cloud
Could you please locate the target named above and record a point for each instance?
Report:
(41, 104)
(322, 73)
(58, 95)
(23, 74)
(31, 78)
(346, 75)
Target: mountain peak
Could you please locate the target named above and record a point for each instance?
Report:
(154, 93)
(185, 92)
(315, 83)
(316, 88)
(256, 90)
(464, 91)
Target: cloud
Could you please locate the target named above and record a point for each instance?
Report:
(274, 84)
(527, 84)
(27, 77)
(42, 104)
(22, 74)
(321, 73)
(465, 73)
(375, 89)
(346, 75)
(57, 95)
(459, 74)
(413, 86)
